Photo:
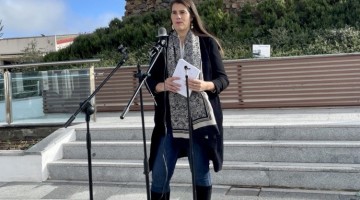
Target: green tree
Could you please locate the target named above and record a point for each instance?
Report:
(31, 53)
(291, 27)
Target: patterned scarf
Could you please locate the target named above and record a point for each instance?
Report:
(201, 111)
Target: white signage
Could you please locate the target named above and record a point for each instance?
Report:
(261, 51)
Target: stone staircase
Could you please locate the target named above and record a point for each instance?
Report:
(295, 156)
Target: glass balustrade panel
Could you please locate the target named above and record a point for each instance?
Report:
(48, 97)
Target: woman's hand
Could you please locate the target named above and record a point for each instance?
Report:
(169, 85)
(198, 85)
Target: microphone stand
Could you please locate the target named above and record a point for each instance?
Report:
(88, 109)
(142, 78)
(191, 141)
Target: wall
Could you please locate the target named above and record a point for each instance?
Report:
(31, 165)
(11, 49)
(12, 46)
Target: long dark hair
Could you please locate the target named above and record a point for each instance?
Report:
(198, 26)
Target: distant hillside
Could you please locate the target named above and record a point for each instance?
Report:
(135, 7)
(291, 27)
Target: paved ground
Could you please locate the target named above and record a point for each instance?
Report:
(248, 117)
(238, 117)
(108, 191)
(244, 117)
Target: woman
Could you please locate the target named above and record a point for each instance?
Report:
(170, 138)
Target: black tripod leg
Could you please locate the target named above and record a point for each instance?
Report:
(89, 110)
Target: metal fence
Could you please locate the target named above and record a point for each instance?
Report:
(304, 81)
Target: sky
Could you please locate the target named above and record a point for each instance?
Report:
(28, 18)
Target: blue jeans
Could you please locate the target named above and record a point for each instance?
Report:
(166, 158)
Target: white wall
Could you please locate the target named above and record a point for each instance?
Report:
(18, 45)
(31, 165)
(18, 167)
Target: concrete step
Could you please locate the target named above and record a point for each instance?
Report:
(252, 151)
(294, 156)
(113, 134)
(327, 176)
(289, 132)
(105, 150)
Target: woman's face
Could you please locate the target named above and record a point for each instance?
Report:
(180, 18)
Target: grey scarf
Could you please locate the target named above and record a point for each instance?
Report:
(201, 110)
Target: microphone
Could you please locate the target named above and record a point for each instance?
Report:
(162, 35)
(186, 68)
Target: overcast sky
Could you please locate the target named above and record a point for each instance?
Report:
(27, 18)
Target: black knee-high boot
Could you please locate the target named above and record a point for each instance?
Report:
(160, 196)
(203, 192)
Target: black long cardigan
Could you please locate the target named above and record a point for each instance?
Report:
(213, 70)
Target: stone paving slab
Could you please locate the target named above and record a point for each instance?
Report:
(247, 117)
(137, 191)
(349, 115)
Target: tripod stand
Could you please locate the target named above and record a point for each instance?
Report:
(88, 109)
(191, 140)
(142, 80)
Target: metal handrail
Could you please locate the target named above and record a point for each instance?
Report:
(59, 63)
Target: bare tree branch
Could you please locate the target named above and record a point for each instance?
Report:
(1, 27)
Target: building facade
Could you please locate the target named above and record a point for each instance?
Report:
(12, 49)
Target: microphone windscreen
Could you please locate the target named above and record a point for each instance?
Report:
(162, 32)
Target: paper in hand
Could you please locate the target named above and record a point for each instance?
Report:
(192, 72)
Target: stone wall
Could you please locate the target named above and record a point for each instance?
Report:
(135, 7)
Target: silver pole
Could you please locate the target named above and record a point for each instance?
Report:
(92, 89)
(8, 97)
